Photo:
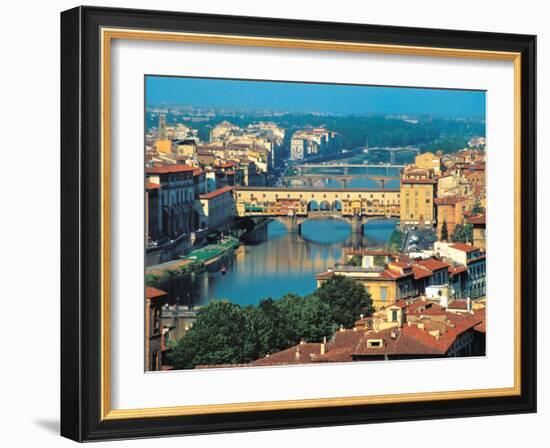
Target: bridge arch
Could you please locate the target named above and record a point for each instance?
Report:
(313, 206)
(324, 206)
(336, 205)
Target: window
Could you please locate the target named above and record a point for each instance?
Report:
(394, 315)
(383, 293)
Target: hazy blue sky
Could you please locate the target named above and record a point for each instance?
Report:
(295, 97)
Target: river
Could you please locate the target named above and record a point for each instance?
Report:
(277, 262)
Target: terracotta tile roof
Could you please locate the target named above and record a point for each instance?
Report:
(412, 340)
(448, 200)
(289, 356)
(167, 169)
(482, 326)
(400, 303)
(327, 274)
(420, 272)
(216, 193)
(477, 219)
(424, 308)
(432, 264)
(464, 247)
(401, 344)
(454, 270)
(458, 305)
(152, 292)
(151, 186)
(341, 347)
(389, 273)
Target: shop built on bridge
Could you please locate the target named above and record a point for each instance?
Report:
(294, 205)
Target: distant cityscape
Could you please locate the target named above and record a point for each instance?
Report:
(289, 238)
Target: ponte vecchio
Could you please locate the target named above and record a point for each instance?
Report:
(295, 205)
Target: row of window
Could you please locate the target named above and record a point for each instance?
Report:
(264, 195)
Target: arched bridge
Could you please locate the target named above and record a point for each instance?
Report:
(298, 204)
(310, 179)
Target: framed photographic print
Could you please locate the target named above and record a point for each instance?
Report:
(274, 223)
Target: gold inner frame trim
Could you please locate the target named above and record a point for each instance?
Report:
(107, 35)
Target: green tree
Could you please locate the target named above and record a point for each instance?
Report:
(219, 336)
(346, 298)
(463, 234)
(308, 318)
(355, 260)
(444, 231)
(268, 329)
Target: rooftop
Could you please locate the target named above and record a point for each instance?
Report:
(216, 193)
(168, 169)
(152, 292)
(433, 264)
(464, 247)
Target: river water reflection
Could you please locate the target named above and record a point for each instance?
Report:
(278, 262)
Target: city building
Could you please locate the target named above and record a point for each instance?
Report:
(314, 142)
(177, 194)
(163, 146)
(451, 210)
(386, 284)
(153, 213)
(217, 211)
(154, 331)
(417, 197)
(162, 127)
(428, 161)
(409, 329)
(474, 259)
(478, 224)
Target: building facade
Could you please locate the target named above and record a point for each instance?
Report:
(418, 188)
(154, 331)
(217, 209)
(177, 196)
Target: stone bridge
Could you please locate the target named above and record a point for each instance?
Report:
(295, 205)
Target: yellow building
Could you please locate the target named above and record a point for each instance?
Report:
(187, 149)
(385, 285)
(164, 146)
(478, 223)
(417, 198)
(428, 161)
(451, 210)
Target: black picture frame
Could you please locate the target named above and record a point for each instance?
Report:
(81, 224)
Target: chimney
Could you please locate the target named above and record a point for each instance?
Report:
(394, 334)
(297, 355)
(324, 346)
(420, 326)
(361, 316)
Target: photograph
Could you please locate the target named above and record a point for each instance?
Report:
(303, 223)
